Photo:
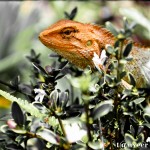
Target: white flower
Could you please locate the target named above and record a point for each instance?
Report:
(40, 94)
(74, 132)
(99, 62)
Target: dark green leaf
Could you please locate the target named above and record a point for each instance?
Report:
(39, 68)
(15, 82)
(14, 147)
(132, 80)
(140, 129)
(102, 109)
(72, 14)
(122, 74)
(59, 77)
(116, 44)
(128, 33)
(17, 114)
(127, 49)
(140, 138)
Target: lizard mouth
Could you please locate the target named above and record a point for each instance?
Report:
(51, 44)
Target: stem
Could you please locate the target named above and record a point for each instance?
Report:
(87, 121)
(117, 100)
(101, 133)
(86, 106)
(63, 130)
(62, 127)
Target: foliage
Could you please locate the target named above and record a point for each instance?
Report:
(103, 116)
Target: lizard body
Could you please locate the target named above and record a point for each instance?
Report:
(77, 42)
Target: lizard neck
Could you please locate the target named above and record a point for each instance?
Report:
(104, 36)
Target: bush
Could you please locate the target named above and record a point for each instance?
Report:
(109, 114)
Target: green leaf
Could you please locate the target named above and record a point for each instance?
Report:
(129, 139)
(112, 29)
(102, 109)
(109, 80)
(17, 114)
(147, 118)
(19, 131)
(110, 49)
(95, 145)
(139, 100)
(127, 49)
(4, 128)
(48, 135)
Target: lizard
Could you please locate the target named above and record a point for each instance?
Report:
(77, 42)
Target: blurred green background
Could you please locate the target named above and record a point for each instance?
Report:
(22, 21)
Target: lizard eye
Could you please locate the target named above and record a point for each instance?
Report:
(67, 32)
(89, 43)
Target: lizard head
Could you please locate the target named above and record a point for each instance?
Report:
(73, 40)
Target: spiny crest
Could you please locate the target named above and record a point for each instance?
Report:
(102, 29)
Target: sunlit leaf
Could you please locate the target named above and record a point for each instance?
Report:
(139, 100)
(112, 29)
(48, 135)
(129, 139)
(147, 118)
(96, 145)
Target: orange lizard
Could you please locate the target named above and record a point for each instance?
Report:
(77, 42)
